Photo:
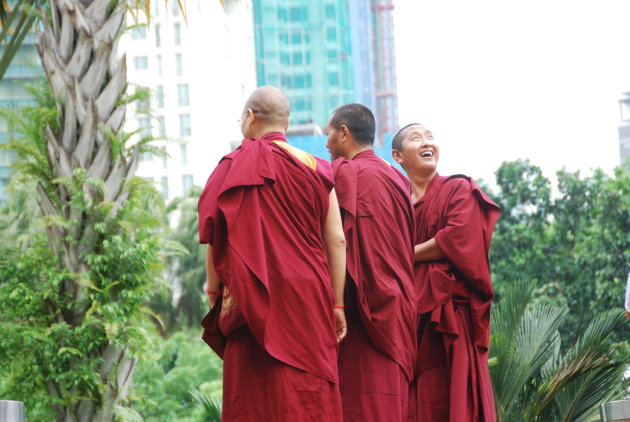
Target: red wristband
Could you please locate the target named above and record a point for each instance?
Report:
(339, 307)
(211, 292)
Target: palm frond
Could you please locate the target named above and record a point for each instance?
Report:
(211, 405)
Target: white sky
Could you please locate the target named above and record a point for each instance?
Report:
(498, 80)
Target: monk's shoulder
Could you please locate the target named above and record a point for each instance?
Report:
(458, 183)
(343, 169)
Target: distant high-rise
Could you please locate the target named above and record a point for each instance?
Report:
(325, 53)
(25, 68)
(624, 127)
(200, 70)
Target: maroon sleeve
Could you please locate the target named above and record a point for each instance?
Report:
(207, 206)
(462, 237)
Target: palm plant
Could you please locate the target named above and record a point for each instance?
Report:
(533, 379)
(82, 159)
(210, 404)
(188, 270)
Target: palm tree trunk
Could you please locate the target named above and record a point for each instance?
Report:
(77, 51)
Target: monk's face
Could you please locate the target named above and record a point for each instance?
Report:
(419, 153)
(335, 142)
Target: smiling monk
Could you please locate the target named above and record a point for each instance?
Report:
(276, 273)
(454, 224)
(377, 357)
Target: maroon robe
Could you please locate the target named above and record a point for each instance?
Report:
(264, 209)
(377, 357)
(452, 381)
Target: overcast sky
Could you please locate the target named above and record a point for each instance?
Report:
(498, 80)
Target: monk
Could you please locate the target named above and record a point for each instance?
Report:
(454, 224)
(276, 273)
(377, 357)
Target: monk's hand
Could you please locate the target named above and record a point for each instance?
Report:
(342, 326)
(212, 297)
(628, 315)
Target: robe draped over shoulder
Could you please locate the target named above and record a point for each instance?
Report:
(455, 294)
(377, 356)
(263, 210)
(378, 225)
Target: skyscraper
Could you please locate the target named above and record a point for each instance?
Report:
(325, 53)
(199, 70)
(25, 68)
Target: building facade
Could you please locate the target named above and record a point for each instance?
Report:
(24, 69)
(325, 53)
(199, 70)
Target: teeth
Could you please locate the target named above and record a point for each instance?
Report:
(427, 154)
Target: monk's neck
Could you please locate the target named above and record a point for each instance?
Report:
(357, 150)
(259, 133)
(419, 184)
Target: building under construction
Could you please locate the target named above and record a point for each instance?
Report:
(327, 53)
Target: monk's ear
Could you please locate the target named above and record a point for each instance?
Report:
(397, 156)
(344, 131)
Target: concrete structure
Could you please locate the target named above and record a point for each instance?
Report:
(327, 53)
(624, 127)
(200, 71)
(25, 68)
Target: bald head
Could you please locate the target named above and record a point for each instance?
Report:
(399, 137)
(270, 105)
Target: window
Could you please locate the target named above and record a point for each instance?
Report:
(141, 62)
(296, 38)
(298, 14)
(159, 96)
(164, 161)
(184, 125)
(159, 65)
(177, 28)
(284, 38)
(183, 154)
(182, 94)
(175, 8)
(331, 54)
(331, 34)
(333, 79)
(164, 186)
(187, 182)
(139, 32)
(144, 126)
(158, 37)
(161, 126)
(302, 105)
(155, 5)
(143, 105)
(302, 81)
(330, 11)
(282, 14)
(284, 58)
(297, 58)
(178, 64)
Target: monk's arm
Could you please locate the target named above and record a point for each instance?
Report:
(336, 251)
(428, 251)
(213, 277)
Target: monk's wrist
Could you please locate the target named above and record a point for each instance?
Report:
(339, 307)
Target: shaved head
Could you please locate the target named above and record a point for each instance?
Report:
(270, 105)
(397, 140)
